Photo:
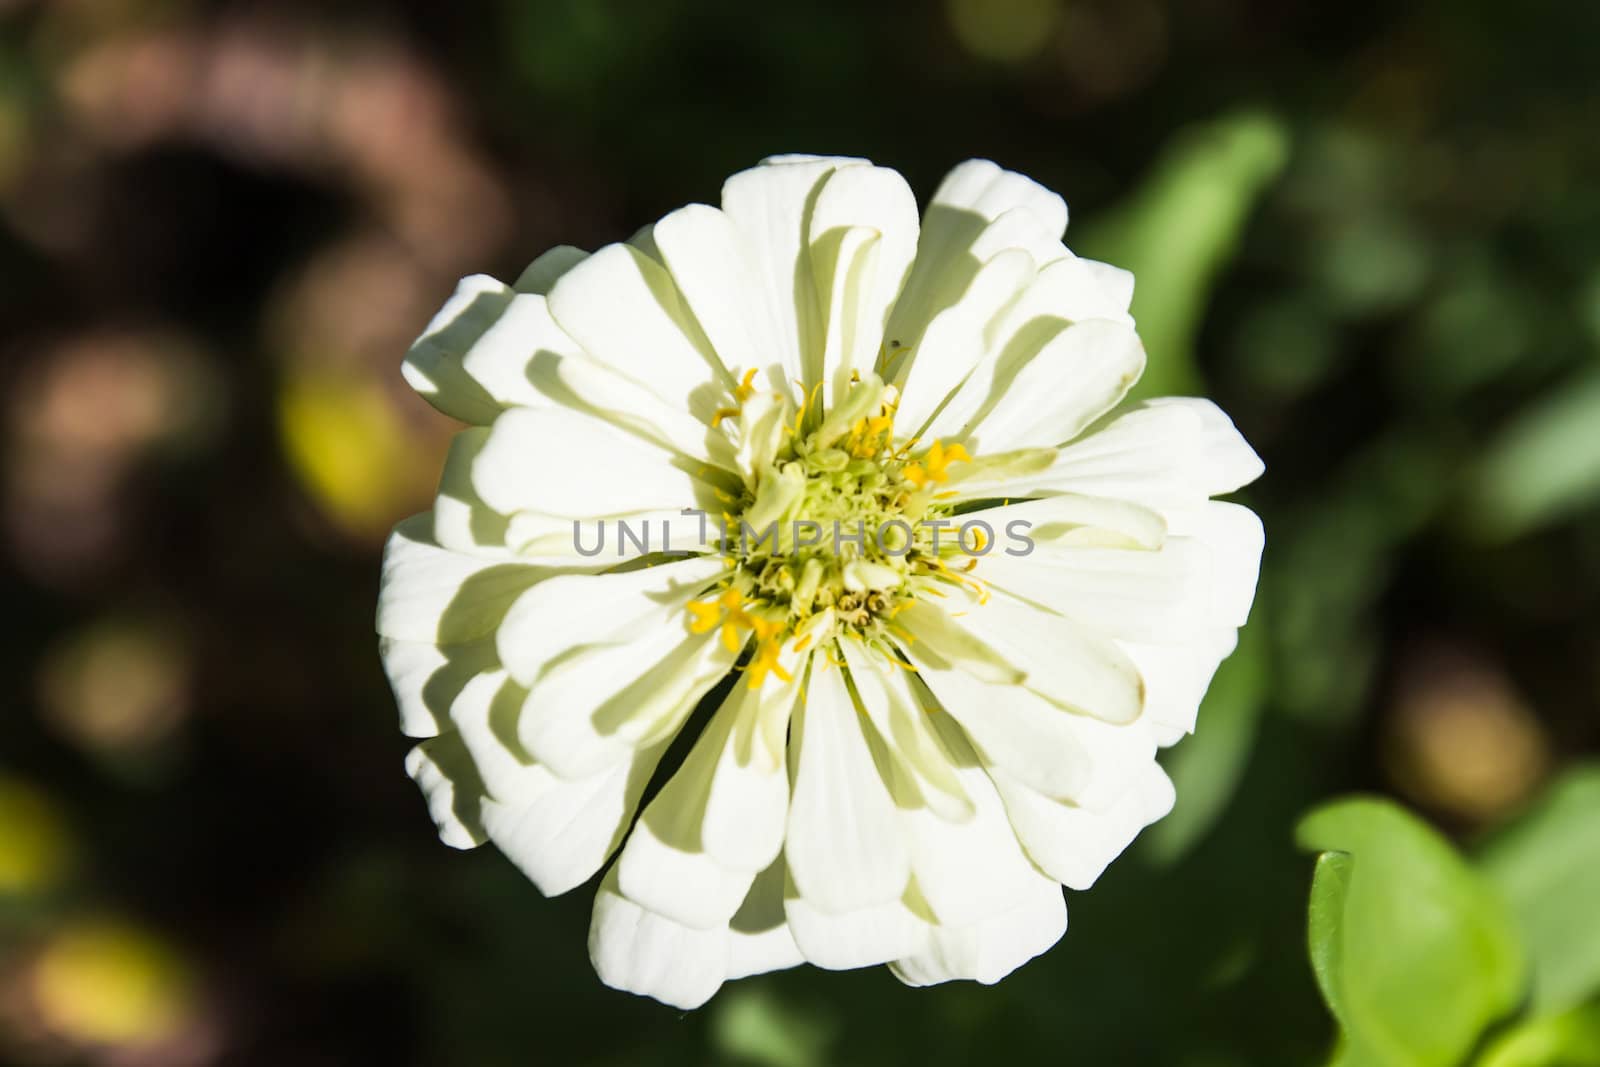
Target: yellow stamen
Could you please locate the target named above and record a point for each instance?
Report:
(745, 389)
(766, 662)
(705, 614)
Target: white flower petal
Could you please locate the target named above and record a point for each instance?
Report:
(585, 385)
(1176, 678)
(1169, 453)
(462, 522)
(770, 205)
(1003, 640)
(548, 269)
(991, 948)
(759, 939)
(638, 951)
(957, 238)
(1074, 844)
(970, 868)
(841, 941)
(845, 849)
(1160, 596)
(748, 806)
(503, 357)
(862, 236)
(677, 879)
(1076, 377)
(444, 772)
(1115, 283)
(625, 310)
(901, 719)
(711, 264)
(435, 596)
(1235, 539)
(562, 462)
(433, 365)
(669, 864)
(988, 191)
(567, 613)
(559, 832)
(1068, 289)
(1056, 752)
(955, 341)
(1068, 520)
(426, 678)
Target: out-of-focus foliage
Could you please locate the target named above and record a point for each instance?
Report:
(1547, 865)
(1371, 233)
(1179, 229)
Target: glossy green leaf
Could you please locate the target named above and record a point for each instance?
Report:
(1547, 866)
(1422, 956)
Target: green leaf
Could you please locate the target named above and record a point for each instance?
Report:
(1543, 466)
(1422, 955)
(1180, 228)
(1330, 888)
(1547, 866)
(1570, 1039)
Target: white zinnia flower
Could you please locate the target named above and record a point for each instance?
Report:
(907, 750)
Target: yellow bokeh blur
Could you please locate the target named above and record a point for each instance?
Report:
(35, 848)
(108, 982)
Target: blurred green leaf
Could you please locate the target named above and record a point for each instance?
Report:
(1422, 956)
(1547, 866)
(1180, 228)
(753, 1026)
(1545, 465)
(1205, 768)
(1570, 1039)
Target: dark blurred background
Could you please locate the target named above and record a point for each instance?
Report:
(1370, 230)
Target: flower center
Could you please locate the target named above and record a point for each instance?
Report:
(843, 523)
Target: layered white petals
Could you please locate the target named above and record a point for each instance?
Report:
(443, 770)
(543, 273)
(719, 820)
(862, 239)
(958, 338)
(608, 662)
(1073, 843)
(992, 947)
(432, 595)
(1170, 453)
(521, 468)
(640, 951)
(864, 937)
(1004, 640)
(433, 365)
(626, 312)
(1076, 377)
(558, 831)
(844, 845)
(769, 205)
(711, 263)
(913, 791)
(1057, 752)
